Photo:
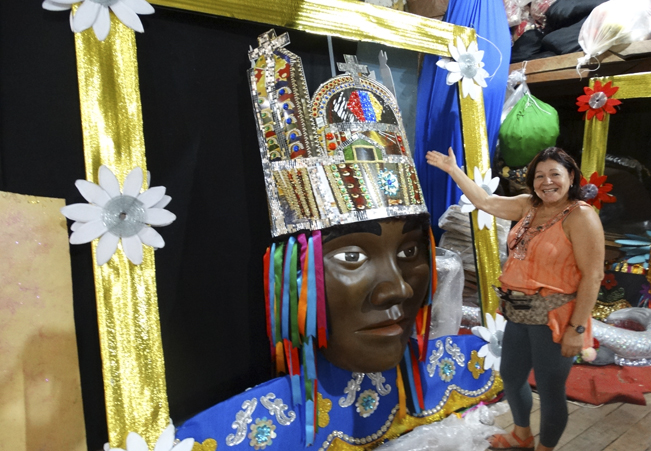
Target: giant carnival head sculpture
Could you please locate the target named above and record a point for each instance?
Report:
(350, 270)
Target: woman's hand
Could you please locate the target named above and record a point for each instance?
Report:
(445, 163)
(572, 342)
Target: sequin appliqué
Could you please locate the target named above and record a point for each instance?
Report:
(447, 370)
(367, 402)
(476, 364)
(262, 433)
(434, 358)
(242, 418)
(277, 408)
(388, 182)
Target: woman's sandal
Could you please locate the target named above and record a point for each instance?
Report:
(511, 441)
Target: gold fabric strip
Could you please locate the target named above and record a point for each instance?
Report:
(127, 302)
(349, 19)
(595, 132)
(475, 141)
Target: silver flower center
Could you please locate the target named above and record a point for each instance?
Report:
(468, 65)
(589, 191)
(597, 100)
(495, 345)
(106, 3)
(124, 216)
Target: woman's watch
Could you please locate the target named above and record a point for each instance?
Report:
(579, 329)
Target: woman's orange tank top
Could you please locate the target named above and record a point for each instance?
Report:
(542, 260)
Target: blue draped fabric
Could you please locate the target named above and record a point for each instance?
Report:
(438, 122)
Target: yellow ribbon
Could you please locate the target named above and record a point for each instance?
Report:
(127, 302)
(475, 143)
(349, 19)
(595, 132)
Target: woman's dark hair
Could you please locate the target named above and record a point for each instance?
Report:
(559, 155)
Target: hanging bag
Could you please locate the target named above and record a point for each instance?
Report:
(531, 126)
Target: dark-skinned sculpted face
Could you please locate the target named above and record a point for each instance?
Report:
(376, 278)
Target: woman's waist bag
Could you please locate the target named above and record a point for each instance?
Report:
(530, 309)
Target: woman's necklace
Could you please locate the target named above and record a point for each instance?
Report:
(526, 233)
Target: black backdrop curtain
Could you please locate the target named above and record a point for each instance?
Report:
(201, 144)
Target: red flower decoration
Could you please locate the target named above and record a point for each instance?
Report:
(596, 191)
(609, 281)
(597, 102)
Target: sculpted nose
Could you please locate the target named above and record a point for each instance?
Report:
(393, 289)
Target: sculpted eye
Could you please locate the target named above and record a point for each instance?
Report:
(351, 257)
(408, 253)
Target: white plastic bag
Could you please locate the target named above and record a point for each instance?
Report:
(446, 305)
(516, 88)
(612, 23)
(469, 433)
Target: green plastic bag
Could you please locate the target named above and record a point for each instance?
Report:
(531, 126)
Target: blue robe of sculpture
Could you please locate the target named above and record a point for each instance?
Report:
(438, 123)
(355, 409)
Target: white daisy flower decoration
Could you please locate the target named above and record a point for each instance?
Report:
(115, 215)
(466, 66)
(488, 184)
(95, 13)
(164, 443)
(493, 333)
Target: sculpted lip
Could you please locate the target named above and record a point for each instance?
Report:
(385, 328)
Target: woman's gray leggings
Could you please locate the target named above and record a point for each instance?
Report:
(525, 347)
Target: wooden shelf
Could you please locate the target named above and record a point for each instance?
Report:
(623, 59)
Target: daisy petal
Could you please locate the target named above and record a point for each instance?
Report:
(484, 220)
(102, 25)
(64, 2)
(166, 440)
(55, 6)
(477, 175)
(466, 86)
(489, 361)
(151, 237)
(163, 202)
(461, 47)
(71, 18)
(133, 183)
(453, 77)
(139, 6)
(479, 54)
(136, 443)
(493, 183)
(75, 226)
(159, 217)
(490, 322)
(92, 193)
(106, 247)
(185, 445)
(483, 351)
(442, 62)
(152, 196)
(108, 181)
(482, 333)
(500, 322)
(472, 48)
(497, 363)
(453, 51)
(479, 79)
(467, 208)
(453, 66)
(464, 199)
(82, 212)
(127, 16)
(132, 247)
(88, 232)
(86, 15)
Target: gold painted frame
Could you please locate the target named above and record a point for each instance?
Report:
(132, 360)
(595, 132)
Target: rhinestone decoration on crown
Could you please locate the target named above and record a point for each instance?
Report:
(342, 157)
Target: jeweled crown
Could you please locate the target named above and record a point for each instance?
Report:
(342, 157)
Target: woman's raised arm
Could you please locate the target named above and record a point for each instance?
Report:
(511, 208)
